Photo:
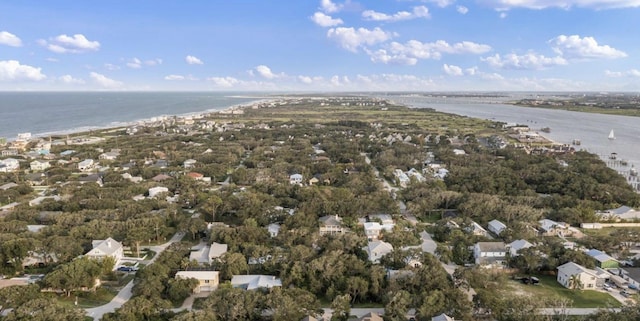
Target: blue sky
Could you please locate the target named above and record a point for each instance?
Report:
(321, 45)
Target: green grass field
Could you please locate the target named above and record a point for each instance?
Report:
(550, 288)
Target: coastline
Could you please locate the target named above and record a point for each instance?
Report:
(123, 124)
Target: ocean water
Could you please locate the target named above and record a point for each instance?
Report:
(42, 113)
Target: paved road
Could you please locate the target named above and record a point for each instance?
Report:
(125, 293)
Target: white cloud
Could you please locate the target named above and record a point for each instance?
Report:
(330, 7)
(502, 15)
(452, 70)
(173, 77)
(574, 47)
(383, 56)
(134, 63)
(11, 70)
(618, 74)
(77, 43)
(192, 60)
(153, 62)
(351, 39)
(68, 79)
(225, 82)
(9, 39)
(51, 59)
(529, 61)
(111, 67)
(565, 4)
(305, 79)
(418, 12)
(409, 52)
(324, 20)
(266, 72)
(105, 82)
(462, 9)
(440, 3)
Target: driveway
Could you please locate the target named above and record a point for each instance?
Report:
(125, 293)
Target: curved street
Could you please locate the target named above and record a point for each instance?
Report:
(125, 293)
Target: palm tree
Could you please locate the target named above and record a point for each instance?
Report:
(575, 282)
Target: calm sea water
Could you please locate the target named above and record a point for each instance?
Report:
(42, 113)
(591, 129)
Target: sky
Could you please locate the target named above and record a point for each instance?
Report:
(320, 45)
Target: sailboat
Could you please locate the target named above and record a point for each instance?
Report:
(611, 135)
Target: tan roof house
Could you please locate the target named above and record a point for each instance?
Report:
(208, 280)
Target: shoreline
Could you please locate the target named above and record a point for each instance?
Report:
(143, 121)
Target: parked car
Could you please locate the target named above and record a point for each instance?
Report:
(127, 268)
(625, 294)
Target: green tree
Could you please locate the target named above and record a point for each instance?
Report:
(45, 309)
(397, 306)
(341, 306)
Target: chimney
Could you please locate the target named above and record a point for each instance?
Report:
(109, 243)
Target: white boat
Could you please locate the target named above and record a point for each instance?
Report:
(611, 135)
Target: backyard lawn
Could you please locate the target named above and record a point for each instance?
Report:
(549, 287)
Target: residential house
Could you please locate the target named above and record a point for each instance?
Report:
(86, 165)
(160, 178)
(377, 249)
(575, 276)
(104, 248)
(295, 179)
(371, 316)
(372, 229)
(9, 207)
(196, 176)
(620, 213)
(517, 245)
(476, 229)
(208, 254)
(401, 177)
(38, 200)
(154, 191)
(9, 165)
(274, 229)
(331, 224)
(490, 253)
(38, 165)
(189, 163)
(442, 317)
(551, 228)
(496, 227)
(310, 318)
(252, 282)
(92, 178)
(8, 186)
(384, 219)
(603, 260)
(208, 280)
(632, 276)
(111, 156)
(9, 152)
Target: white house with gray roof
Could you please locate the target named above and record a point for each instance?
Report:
(490, 253)
(105, 248)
